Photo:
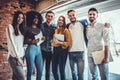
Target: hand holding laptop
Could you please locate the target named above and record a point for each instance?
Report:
(98, 57)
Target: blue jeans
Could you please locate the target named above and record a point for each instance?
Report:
(95, 69)
(33, 56)
(79, 59)
(59, 61)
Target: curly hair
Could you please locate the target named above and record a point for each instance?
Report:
(30, 17)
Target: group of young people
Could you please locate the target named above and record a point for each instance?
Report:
(54, 50)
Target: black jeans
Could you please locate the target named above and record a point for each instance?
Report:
(59, 61)
(47, 56)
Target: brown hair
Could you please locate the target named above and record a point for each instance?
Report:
(70, 11)
(49, 12)
(92, 9)
(64, 24)
(14, 23)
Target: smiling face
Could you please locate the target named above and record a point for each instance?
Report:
(60, 21)
(71, 16)
(20, 18)
(49, 17)
(92, 15)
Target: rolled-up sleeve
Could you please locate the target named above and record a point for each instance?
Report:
(106, 36)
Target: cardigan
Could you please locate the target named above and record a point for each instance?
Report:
(67, 42)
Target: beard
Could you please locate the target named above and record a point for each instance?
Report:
(91, 19)
(73, 20)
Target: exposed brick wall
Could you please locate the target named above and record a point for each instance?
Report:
(7, 9)
(5, 70)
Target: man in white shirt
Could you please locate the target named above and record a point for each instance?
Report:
(77, 48)
(98, 39)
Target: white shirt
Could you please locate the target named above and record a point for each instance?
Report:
(98, 36)
(15, 43)
(78, 42)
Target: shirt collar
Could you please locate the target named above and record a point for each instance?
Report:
(93, 24)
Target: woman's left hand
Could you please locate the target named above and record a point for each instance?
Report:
(20, 62)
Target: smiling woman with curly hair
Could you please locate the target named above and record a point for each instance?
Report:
(33, 52)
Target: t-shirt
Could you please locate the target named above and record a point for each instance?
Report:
(30, 33)
(78, 42)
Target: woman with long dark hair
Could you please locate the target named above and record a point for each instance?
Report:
(15, 39)
(33, 52)
(61, 42)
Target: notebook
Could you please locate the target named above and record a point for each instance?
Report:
(59, 37)
(39, 36)
(98, 56)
